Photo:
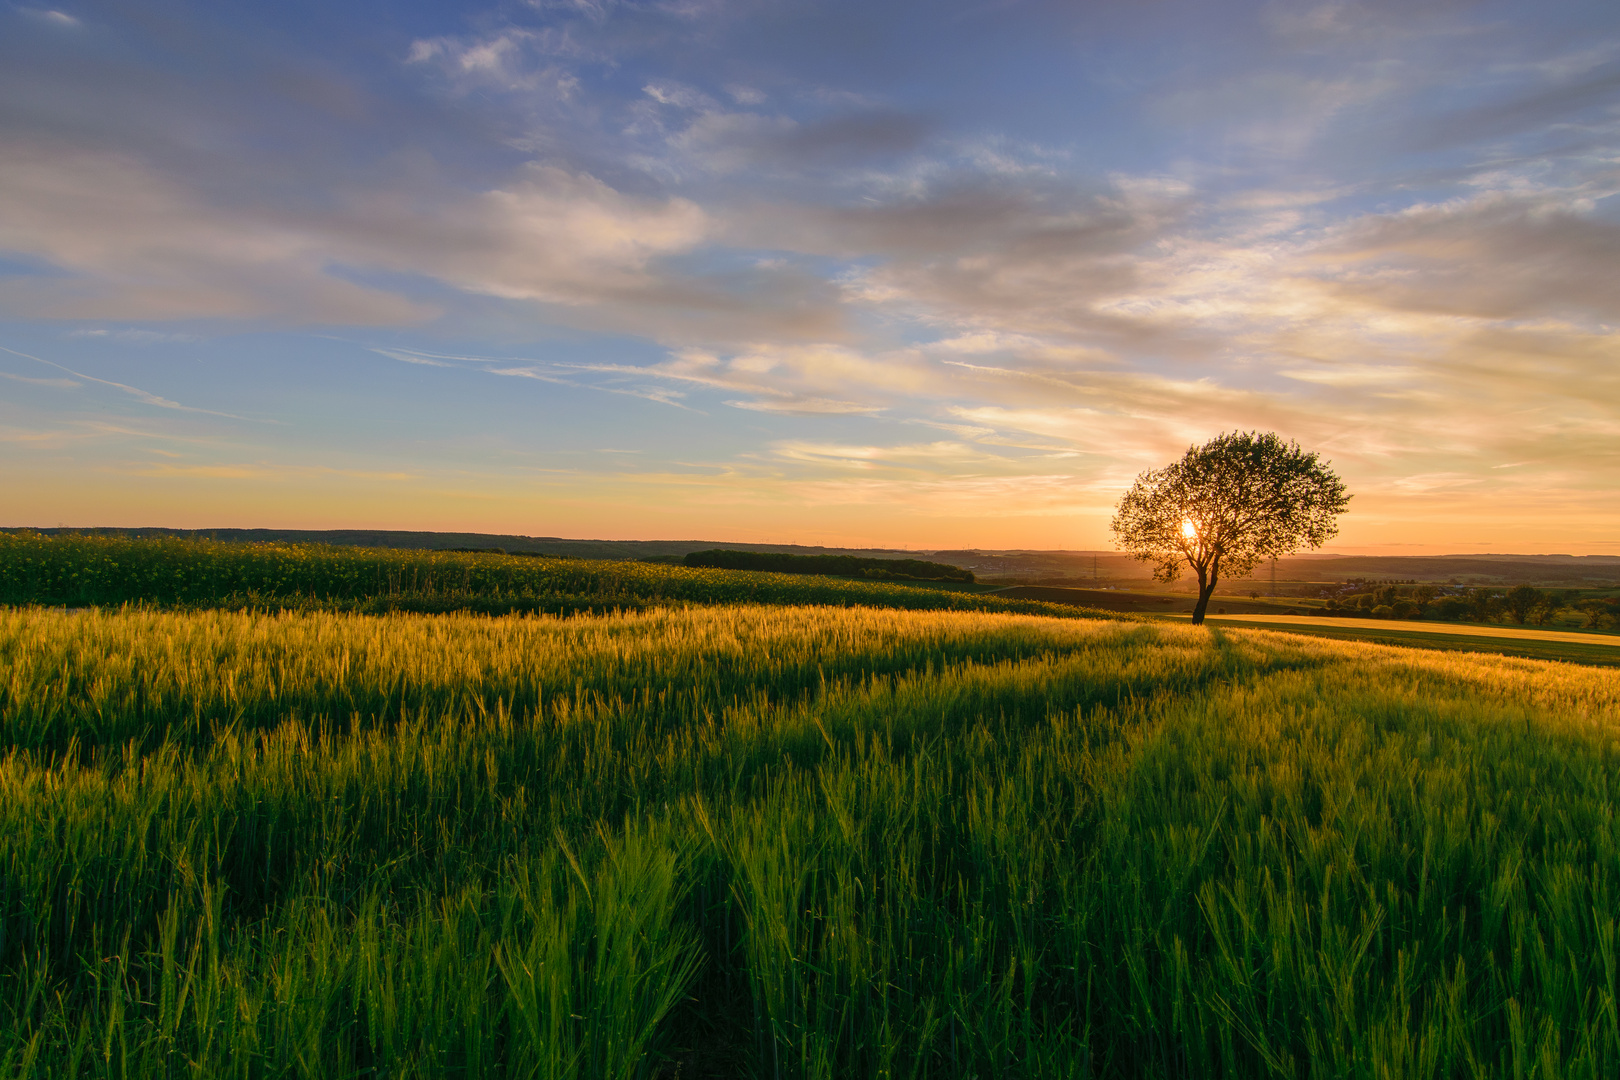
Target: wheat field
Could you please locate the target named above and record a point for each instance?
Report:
(794, 842)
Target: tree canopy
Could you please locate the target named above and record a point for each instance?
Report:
(1227, 505)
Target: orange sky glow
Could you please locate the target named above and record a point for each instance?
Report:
(840, 274)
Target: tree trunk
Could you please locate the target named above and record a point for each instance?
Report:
(1205, 591)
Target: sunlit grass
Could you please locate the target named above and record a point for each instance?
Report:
(794, 842)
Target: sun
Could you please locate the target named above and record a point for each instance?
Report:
(1189, 530)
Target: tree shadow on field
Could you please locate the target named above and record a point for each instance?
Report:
(1233, 661)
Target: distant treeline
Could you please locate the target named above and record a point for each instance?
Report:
(1521, 604)
(829, 565)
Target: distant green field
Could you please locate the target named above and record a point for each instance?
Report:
(1540, 643)
(87, 571)
(795, 842)
(1578, 648)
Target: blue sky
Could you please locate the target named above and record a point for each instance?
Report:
(895, 274)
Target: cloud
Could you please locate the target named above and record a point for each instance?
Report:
(824, 366)
(840, 140)
(700, 136)
(59, 384)
(1389, 331)
(405, 356)
(678, 95)
(1497, 255)
(139, 245)
(1276, 112)
(1011, 257)
(813, 406)
(728, 141)
(661, 395)
(1433, 483)
(136, 337)
(514, 60)
(868, 457)
(1350, 374)
(1338, 24)
(971, 221)
(143, 396)
(782, 378)
(1528, 111)
(573, 375)
(551, 236)
(52, 16)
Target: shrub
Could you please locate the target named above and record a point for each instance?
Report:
(1520, 602)
(1449, 607)
(1600, 614)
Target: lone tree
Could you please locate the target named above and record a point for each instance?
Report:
(1227, 505)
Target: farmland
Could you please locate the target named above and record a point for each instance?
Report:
(84, 571)
(1533, 642)
(789, 841)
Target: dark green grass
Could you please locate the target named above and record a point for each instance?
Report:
(86, 571)
(782, 842)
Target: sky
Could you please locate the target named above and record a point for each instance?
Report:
(898, 274)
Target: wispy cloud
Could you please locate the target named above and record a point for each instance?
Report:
(143, 396)
(405, 356)
(661, 395)
(808, 407)
(555, 372)
(59, 384)
(137, 337)
(52, 16)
